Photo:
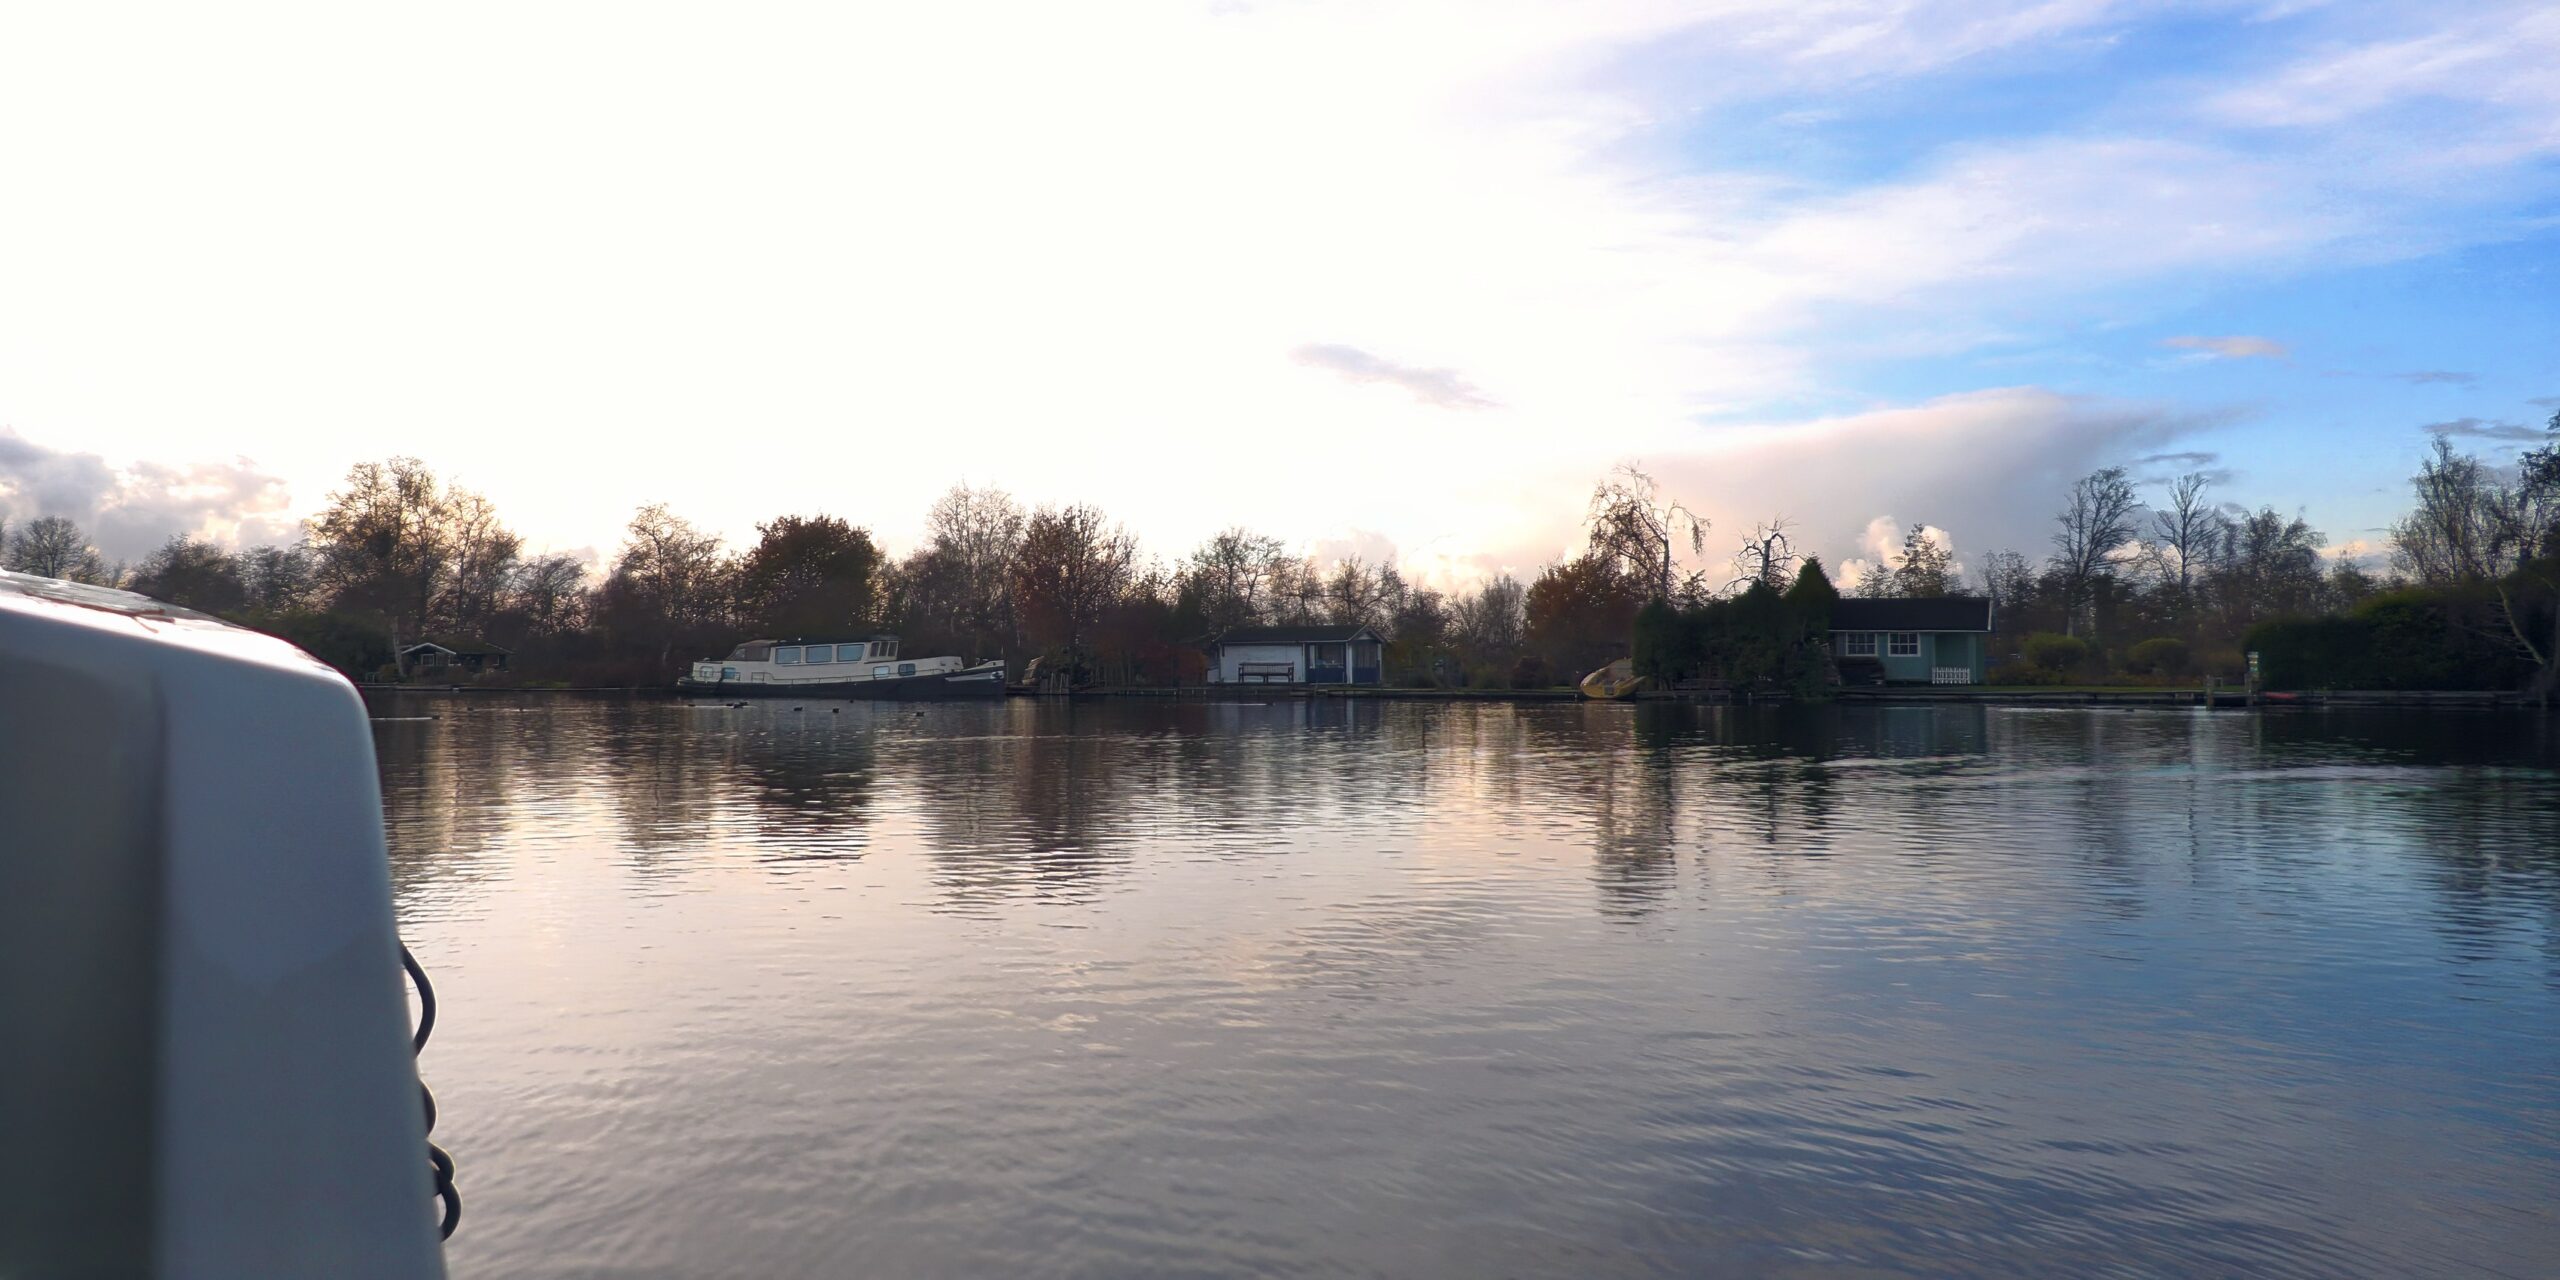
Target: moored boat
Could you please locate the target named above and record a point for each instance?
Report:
(863, 667)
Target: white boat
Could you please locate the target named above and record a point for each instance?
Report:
(853, 667)
(205, 1065)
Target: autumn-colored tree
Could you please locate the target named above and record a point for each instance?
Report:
(1581, 614)
(1072, 566)
(808, 576)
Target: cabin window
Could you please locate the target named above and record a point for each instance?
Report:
(848, 653)
(1902, 644)
(1858, 644)
(906, 668)
(879, 648)
(822, 653)
(787, 656)
(728, 673)
(879, 673)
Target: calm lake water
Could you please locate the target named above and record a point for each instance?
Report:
(1353, 989)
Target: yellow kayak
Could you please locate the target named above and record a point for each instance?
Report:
(1617, 680)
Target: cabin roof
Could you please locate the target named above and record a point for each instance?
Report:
(1926, 613)
(459, 647)
(1320, 634)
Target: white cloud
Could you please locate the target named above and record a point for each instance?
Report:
(2235, 347)
(1442, 388)
(129, 510)
(838, 257)
(1991, 467)
(1881, 548)
(2491, 56)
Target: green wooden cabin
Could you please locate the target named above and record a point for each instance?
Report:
(1933, 640)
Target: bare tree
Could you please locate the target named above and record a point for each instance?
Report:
(2009, 581)
(2269, 568)
(677, 568)
(2189, 538)
(549, 592)
(482, 561)
(2090, 533)
(975, 535)
(396, 540)
(2475, 526)
(1489, 623)
(278, 579)
(1297, 591)
(54, 547)
(1355, 594)
(1768, 555)
(1633, 526)
(1235, 573)
(2451, 535)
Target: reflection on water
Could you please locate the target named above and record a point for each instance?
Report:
(1348, 988)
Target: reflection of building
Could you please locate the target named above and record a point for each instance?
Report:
(1295, 655)
(1929, 640)
(452, 653)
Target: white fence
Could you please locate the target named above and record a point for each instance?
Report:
(1951, 675)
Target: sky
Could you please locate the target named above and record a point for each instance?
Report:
(1400, 280)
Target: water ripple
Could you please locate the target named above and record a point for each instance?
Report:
(1331, 988)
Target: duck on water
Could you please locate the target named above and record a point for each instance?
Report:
(856, 667)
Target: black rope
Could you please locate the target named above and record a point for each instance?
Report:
(437, 1161)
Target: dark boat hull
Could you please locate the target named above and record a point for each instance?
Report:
(957, 686)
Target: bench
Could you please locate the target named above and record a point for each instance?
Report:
(1266, 672)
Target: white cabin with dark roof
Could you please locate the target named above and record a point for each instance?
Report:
(1297, 655)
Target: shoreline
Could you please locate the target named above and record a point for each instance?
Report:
(2220, 699)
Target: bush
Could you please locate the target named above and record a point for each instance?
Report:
(2163, 656)
(2016, 671)
(2396, 640)
(2056, 652)
(1530, 672)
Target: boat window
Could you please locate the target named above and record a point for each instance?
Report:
(822, 653)
(848, 653)
(787, 656)
(1903, 644)
(879, 673)
(877, 649)
(728, 673)
(906, 668)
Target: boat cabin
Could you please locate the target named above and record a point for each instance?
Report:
(811, 662)
(816, 653)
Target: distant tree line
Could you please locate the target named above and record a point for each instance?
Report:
(2166, 589)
